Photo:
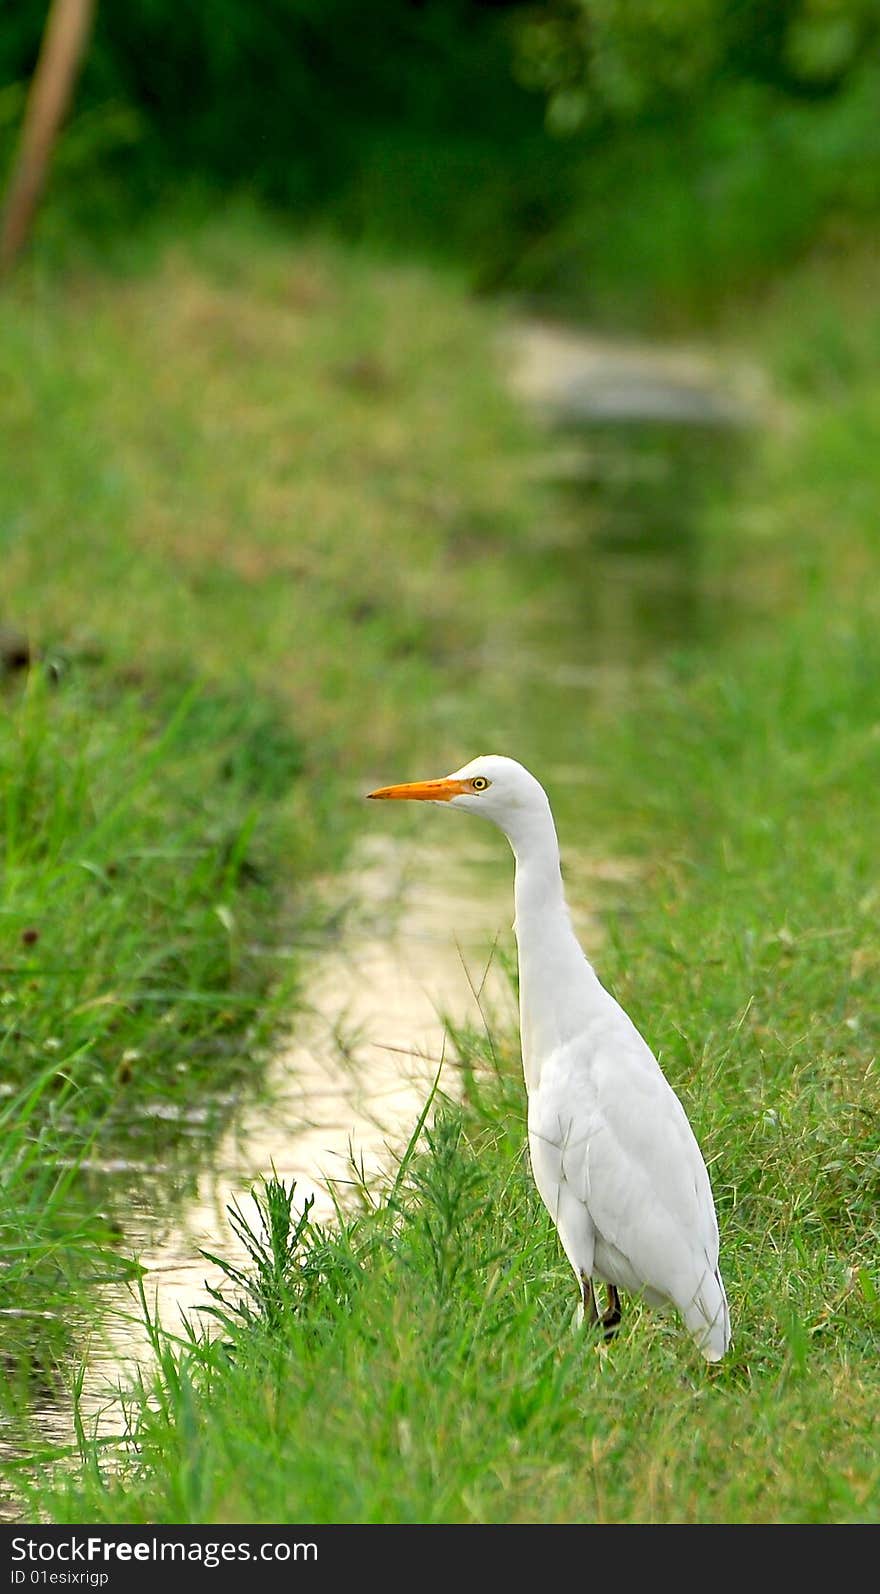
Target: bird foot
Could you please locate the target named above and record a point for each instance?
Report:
(610, 1319)
(587, 1311)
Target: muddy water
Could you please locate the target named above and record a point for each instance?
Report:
(345, 1090)
(433, 900)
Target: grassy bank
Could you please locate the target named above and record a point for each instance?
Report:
(238, 487)
(415, 1363)
(135, 885)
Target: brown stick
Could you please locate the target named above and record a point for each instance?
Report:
(65, 35)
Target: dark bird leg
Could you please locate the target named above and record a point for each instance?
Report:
(591, 1315)
(611, 1317)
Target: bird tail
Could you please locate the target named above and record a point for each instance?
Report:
(708, 1316)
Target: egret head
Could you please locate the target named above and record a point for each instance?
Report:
(497, 788)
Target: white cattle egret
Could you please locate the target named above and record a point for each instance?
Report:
(613, 1155)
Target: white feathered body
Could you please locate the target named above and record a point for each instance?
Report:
(613, 1155)
(617, 1165)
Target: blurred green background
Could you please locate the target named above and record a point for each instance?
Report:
(630, 158)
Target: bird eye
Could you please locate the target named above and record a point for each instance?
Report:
(479, 783)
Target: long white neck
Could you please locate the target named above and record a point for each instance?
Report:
(558, 989)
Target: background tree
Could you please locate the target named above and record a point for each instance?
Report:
(67, 31)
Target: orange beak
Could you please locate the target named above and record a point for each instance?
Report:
(424, 791)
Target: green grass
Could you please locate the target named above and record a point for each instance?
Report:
(279, 455)
(137, 841)
(414, 1362)
(423, 1369)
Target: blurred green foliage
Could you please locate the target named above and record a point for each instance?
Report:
(625, 59)
(624, 159)
(282, 95)
(717, 140)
